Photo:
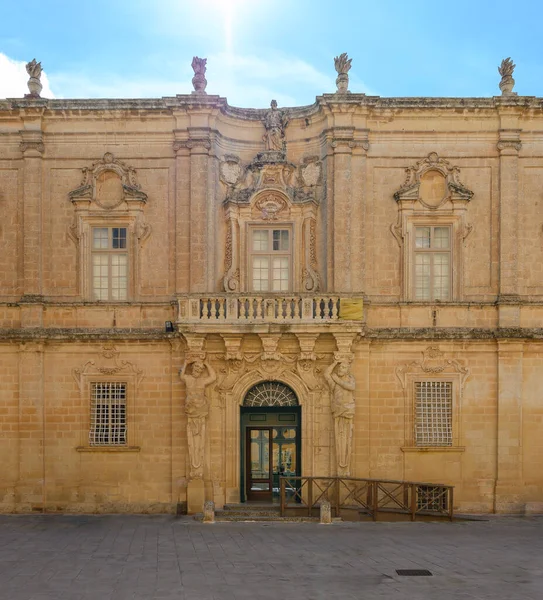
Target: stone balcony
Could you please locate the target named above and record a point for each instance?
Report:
(249, 311)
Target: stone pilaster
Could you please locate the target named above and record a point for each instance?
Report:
(509, 146)
(182, 208)
(32, 148)
(31, 486)
(358, 221)
(342, 145)
(508, 498)
(199, 145)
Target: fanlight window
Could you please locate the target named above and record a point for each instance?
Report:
(270, 393)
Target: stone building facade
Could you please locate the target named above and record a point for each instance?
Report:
(361, 278)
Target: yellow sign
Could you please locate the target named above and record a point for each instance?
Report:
(351, 309)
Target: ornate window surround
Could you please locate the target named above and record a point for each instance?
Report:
(108, 369)
(433, 367)
(120, 206)
(271, 192)
(450, 211)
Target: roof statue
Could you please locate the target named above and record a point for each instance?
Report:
(199, 80)
(342, 64)
(33, 68)
(275, 122)
(506, 71)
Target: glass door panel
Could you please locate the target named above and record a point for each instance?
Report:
(259, 481)
(285, 458)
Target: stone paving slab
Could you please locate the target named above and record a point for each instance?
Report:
(58, 557)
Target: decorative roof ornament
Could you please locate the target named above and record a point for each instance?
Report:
(342, 64)
(199, 80)
(507, 83)
(275, 123)
(33, 68)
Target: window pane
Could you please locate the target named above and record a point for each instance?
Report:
(280, 274)
(100, 238)
(422, 276)
(260, 240)
(260, 273)
(119, 279)
(441, 276)
(100, 276)
(119, 237)
(281, 240)
(442, 237)
(422, 237)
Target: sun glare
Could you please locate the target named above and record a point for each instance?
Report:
(230, 12)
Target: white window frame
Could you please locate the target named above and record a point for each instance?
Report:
(110, 252)
(432, 251)
(445, 219)
(252, 253)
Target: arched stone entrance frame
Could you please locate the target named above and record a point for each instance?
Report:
(232, 443)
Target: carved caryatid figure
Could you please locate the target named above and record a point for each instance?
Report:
(342, 386)
(199, 80)
(342, 64)
(197, 411)
(507, 82)
(33, 68)
(275, 122)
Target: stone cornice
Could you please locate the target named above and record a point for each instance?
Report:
(212, 103)
(398, 334)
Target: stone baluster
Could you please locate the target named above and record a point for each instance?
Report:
(335, 301)
(258, 313)
(307, 309)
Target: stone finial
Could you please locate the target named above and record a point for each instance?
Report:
(33, 68)
(507, 83)
(342, 64)
(199, 80)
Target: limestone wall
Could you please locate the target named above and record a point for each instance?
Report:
(172, 154)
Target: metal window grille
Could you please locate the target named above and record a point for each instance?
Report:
(433, 413)
(108, 414)
(270, 393)
(430, 497)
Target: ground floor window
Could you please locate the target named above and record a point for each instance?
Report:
(433, 413)
(108, 414)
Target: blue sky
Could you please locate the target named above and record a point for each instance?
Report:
(263, 49)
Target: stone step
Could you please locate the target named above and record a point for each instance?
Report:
(248, 513)
(226, 517)
(253, 508)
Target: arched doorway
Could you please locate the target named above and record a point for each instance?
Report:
(270, 440)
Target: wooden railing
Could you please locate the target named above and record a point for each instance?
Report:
(367, 496)
(243, 308)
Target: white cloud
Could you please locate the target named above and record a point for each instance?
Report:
(13, 79)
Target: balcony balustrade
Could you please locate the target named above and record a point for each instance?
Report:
(245, 308)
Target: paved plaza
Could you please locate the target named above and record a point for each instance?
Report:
(163, 557)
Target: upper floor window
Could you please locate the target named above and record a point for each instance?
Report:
(270, 259)
(109, 263)
(432, 263)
